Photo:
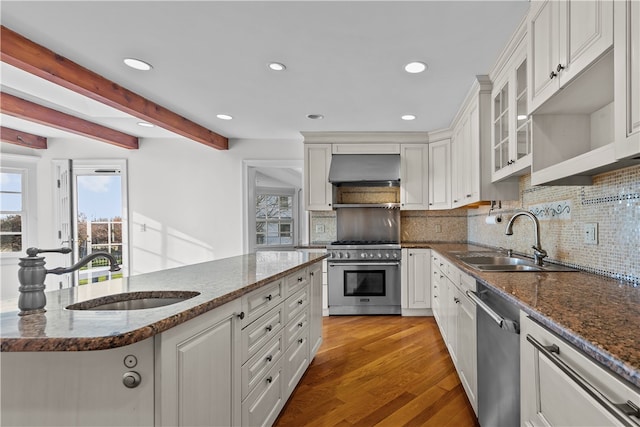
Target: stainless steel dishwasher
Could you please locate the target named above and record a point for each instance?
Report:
(498, 359)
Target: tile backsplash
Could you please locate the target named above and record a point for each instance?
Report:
(612, 202)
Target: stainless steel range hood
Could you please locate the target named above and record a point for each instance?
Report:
(365, 169)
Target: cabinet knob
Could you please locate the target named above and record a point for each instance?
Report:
(300, 341)
(468, 195)
(299, 279)
(552, 75)
(456, 300)
(311, 274)
(241, 315)
(300, 325)
(269, 328)
(268, 297)
(430, 204)
(560, 67)
(269, 380)
(455, 201)
(131, 379)
(269, 358)
(300, 302)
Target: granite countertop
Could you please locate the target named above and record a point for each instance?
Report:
(218, 282)
(598, 315)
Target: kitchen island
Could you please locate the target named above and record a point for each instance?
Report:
(197, 361)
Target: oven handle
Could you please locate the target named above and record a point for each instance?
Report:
(362, 264)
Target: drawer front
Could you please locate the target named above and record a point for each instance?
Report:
(296, 281)
(295, 304)
(467, 283)
(296, 360)
(263, 404)
(295, 327)
(256, 368)
(261, 331)
(258, 302)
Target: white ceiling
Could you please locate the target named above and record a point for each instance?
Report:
(344, 59)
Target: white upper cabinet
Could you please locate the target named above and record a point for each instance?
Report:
(565, 37)
(511, 130)
(414, 186)
(471, 151)
(318, 192)
(627, 78)
(440, 174)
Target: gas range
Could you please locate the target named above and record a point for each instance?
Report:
(368, 250)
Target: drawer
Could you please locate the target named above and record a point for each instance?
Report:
(256, 368)
(294, 328)
(258, 302)
(296, 360)
(467, 283)
(263, 404)
(295, 304)
(257, 334)
(296, 281)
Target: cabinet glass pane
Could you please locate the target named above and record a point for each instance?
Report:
(505, 127)
(497, 133)
(497, 162)
(505, 153)
(524, 140)
(497, 107)
(504, 95)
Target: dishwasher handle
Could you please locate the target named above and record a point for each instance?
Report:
(621, 411)
(506, 324)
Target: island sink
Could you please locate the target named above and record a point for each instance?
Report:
(134, 300)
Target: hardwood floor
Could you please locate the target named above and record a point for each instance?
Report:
(379, 370)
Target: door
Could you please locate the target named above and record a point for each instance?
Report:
(440, 175)
(91, 215)
(414, 188)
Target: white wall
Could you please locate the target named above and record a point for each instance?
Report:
(187, 195)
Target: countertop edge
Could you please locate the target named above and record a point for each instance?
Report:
(58, 344)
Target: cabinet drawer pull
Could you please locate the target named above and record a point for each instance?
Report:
(468, 195)
(435, 286)
(300, 302)
(299, 279)
(269, 358)
(268, 328)
(435, 296)
(241, 315)
(622, 411)
(268, 297)
(560, 67)
(300, 325)
(456, 300)
(269, 380)
(301, 340)
(552, 75)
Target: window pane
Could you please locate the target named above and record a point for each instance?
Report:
(11, 202)
(261, 227)
(286, 240)
(99, 233)
(116, 232)
(11, 223)
(11, 243)
(272, 228)
(285, 228)
(100, 196)
(11, 182)
(260, 239)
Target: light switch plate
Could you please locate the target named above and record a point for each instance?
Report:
(591, 233)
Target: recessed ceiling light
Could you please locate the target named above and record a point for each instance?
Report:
(408, 117)
(415, 67)
(146, 124)
(315, 116)
(137, 64)
(276, 66)
(224, 117)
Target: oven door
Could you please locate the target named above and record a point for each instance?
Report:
(364, 288)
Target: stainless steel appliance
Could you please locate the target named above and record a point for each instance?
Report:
(364, 277)
(498, 359)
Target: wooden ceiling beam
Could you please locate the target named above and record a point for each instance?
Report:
(24, 139)
(27, 110)
(33, 58)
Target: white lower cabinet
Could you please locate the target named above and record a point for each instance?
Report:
(262, 406)
(198, 370)
(455, 315)
(85, 388)
(555, 379)
(316, 304)
(416, 282)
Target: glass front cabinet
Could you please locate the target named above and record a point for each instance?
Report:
(511, 130)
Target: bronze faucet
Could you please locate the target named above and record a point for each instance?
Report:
(538, 252)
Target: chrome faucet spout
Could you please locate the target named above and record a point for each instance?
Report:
(113, 264)
(538, 252)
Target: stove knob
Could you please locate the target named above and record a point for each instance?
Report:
(363, 255)
(346, 255)
(339, 254)
(387, 255)
(370, 255)
(395, 255)
(379, 255)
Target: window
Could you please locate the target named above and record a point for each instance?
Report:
(12, 210)
(274, 220)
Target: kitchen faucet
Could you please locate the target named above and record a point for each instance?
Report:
(538, 252)
(32, 273)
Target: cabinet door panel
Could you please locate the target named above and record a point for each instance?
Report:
(543, 52)
(419, 274)
(318, 190)
(414, 188)
(440, 175)
(263, 404)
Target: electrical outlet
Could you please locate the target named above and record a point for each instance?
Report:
(319, 228)
(591, 234)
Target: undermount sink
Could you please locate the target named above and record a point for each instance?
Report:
(500, 262)
(134, 300)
